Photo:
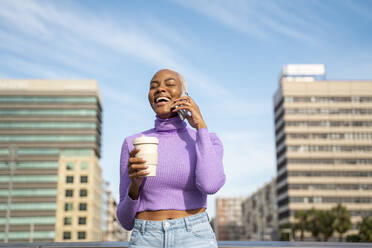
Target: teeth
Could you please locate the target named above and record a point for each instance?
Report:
(162, 98)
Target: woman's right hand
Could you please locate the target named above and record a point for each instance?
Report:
(136, 171)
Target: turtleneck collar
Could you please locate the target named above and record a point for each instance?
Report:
(170, 124)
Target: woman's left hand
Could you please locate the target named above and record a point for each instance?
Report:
(195, 119)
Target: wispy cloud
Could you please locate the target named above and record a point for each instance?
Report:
(52, 40)
(259, 19)
(359, 10)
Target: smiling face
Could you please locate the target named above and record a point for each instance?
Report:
(165, 87)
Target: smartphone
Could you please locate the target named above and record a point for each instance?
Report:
(182, 112)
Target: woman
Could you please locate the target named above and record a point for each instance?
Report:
(168, 210)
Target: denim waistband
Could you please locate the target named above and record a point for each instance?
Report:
(186, 222)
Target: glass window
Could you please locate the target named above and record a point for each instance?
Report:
(69, 193)
(83, 192)
(83, 206)
(70, 165)
(49, 125)
(47, 138)
(37, 164)
(84, 165)
(29, 206)
(33, 151)
(4, 151)
(81, 235)
(30, 178)
(78, 112)
(83, 179)
(29, 192)
(67, 221)
(77, 152)
(49, 99)
(37, 220)
(69, 179)
(68, 206)
(66, 235)
(82, 220)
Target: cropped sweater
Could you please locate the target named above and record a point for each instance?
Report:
(189, 167)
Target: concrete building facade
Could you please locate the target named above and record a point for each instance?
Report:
(113, 231)
(228, 223)
(50, 145)
(323, 143)
(259, 214)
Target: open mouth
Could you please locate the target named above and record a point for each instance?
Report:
(162, 101)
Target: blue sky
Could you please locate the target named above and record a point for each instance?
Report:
(230, 52)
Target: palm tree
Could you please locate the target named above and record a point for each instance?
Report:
(326, 219)
(365, 230)
(342, 222)
(302, 217)
(294, 229)
(314, 223)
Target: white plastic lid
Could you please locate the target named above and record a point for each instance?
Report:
(145, 140)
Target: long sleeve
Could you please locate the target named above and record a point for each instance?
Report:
(209, 171)
(127, 207)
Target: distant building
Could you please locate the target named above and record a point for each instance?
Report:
(50, 145)
(259, 214)
(228, 222)
(113, 231)
(323, 143)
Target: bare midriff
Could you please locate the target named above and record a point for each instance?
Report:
(167, 214)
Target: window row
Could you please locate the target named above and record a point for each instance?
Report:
(29, 178)
(29, 192)
(48, 151)
(61, 112)
(329, 161)
(328, 123)
(70, 192)
(70, 166)
(45, 164)
(80, 235)
(331, 136)
(332, 199)
(49, 99)
(37, 220)
(70, 179)
(14, 235)
(330, 173)
(68, 221)
(329, 111)
(337, 99)
(363, 213)
(47, 138)
(305, 148)
(69, 206)
(331, 186)
(47, 125)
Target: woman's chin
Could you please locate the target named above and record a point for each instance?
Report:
(166, 115)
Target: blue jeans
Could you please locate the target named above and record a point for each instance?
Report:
(191, 231)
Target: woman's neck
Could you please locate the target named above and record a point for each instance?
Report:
(169, 124)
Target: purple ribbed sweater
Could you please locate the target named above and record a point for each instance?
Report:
(189, 167)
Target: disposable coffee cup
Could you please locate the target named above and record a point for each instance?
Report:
(148, 150)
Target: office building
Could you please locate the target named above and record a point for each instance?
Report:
(259, 214)
(112, 229)
(228, 222)
(50, 145)
(323, 143)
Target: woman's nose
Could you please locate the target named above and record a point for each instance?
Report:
(160, 89)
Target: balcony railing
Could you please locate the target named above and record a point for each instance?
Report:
(222, 244)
